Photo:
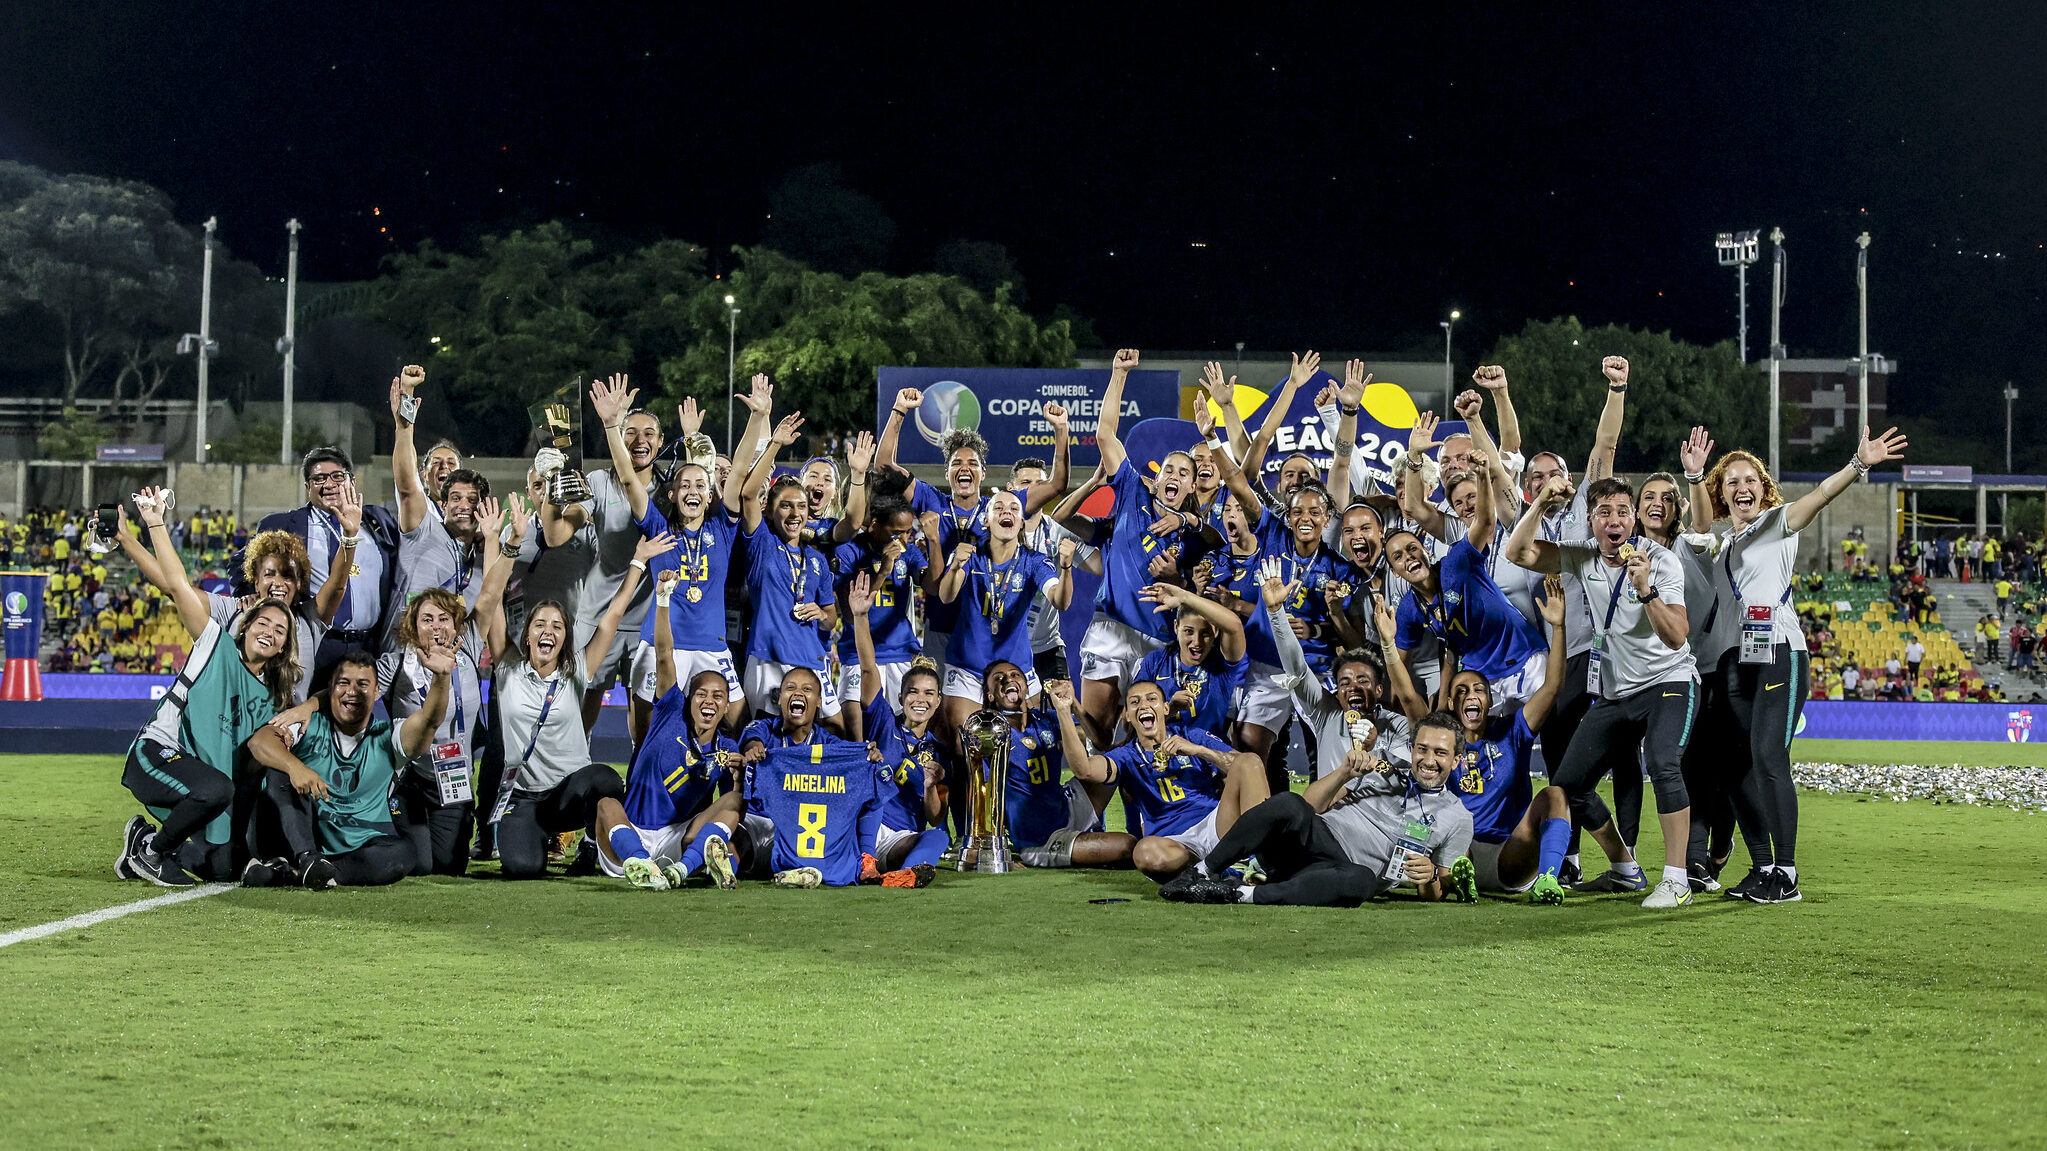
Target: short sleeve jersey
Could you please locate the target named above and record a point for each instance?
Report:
(955, 524)
(780, 576)
(1213, 683)
(1127, 556)
(817, 797)
(894, 585)
(769, 733)
(903, 760)
(1632, 655)
(673, 772)
(995, 606)
(1174, 792)
(1492, 779)
(1754, 568)
(1471, 616)
(1036, 801)
(702, 560)
(546, 713)
(357, 808)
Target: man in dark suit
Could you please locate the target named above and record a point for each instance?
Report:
(360, 621)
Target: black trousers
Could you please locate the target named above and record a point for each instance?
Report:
(438, 832)
(193, 794)
(1658, 720)
(490, 771)
(1573, 701)
(1304, 862)
(1705, 766)
(383, 860)
(535, 816)
(1766, 700)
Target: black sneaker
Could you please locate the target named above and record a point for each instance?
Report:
(1702, 878)
(266, 873)
(585, 862)
(317, 873)
(1212, 891)
(1757, 880)
(161, 870)
(1780, 888)
(132, 839)
(1180, 888)
(1570, 874)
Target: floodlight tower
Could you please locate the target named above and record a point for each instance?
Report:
(289, 344)
(1776, 339)
(731, 369)
(1738, 250)
(1862, 343)
(1448, 326)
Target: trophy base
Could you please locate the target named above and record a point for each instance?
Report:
(566, 487)
(985, 854)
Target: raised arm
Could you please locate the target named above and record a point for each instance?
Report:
(349, 512)
(1084, 766)
(763, 467)
(416, 731)
(607, 625)
(1599, 464)
(1112, 409)
(859, 601)
(412, 498)
(955, 577)
(1414, 496)
(1523, 548)
(497, 566)
(1483, 512)
(760, 403)
(907, 400)
(1172, 598)
(1238, 483)
(1472, 407)
(1275, 414)
(1054, 485)
(1348, 398)
(664, 630)
(1405, 693)
(859, 461)
(1493, 378)
(137, 553)
(1224, 394)
(1307, 689)
(1693, 454)
(193, 610)
(1536, 710)
(612, 399)
(1868, 454)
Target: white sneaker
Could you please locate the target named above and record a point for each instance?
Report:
(641, 872)
(1670, 893)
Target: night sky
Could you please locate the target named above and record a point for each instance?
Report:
(1311, 177)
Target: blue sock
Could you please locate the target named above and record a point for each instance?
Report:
(625, 843)
(1556, 836)
(693, 855)
(928, 848)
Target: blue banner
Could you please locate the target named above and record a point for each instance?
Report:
(21, 610)
(1972, 722)
(1006, 405)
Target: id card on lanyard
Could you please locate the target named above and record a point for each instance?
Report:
(1758, 621)
(451, 773)
(1414, 838)
(511, 776)
(1595, 664)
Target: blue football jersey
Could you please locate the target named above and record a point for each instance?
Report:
(955, 524)
(672, 774)
(1492, 779)
(994, 605)
(1238, 574)
(1173, 793)
(1036, 804)
(1214, 684)
(825, 800)
(903, 758)
(1128, 552)
(1312, 576)
(779, 576)
(1471, 616)
(703, 561)
(895, 587)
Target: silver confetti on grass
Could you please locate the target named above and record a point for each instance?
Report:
(2017, 788)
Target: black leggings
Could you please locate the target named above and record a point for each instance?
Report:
(1766, 700)
(1658, 720)
(190, 791)
(1305, 864)
(438, 832)
(385, 859)
(1705, 772)
(535, 816)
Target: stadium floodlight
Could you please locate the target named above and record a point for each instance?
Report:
(1776, 339)
(731, 367)
(1738, 250)
(288, 345)
(1448, 327)
(1862, 340)
(202, 342)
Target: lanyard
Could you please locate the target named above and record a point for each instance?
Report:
(463, 566)
(799, 567)
(994, 605)
(1414, 792)
(545, 704)
(456, 682)
(693, 553)
(1613, 602)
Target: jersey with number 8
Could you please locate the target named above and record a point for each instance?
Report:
(825, 800)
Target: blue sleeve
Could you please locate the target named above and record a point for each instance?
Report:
(918, 561)
(1234, 674)
(1408, 627)
(819, 590)
(1124, 756)
(925, 498)
(1151, 668)
(881, 726)
(1207, 740)
(653, 523)
(1458, 564)
(1127, 486)
(1520, 736)
(1042, 571)
(757, 730)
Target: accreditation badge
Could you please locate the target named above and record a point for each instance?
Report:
(451, 774)
(1758, 633)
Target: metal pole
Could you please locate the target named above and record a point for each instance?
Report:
(1862, 343)
(289, 345)
(731, 372)
(205, 334)
(1776, 342)
(1741, 310)
(1449, 327)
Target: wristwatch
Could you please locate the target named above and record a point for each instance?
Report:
(1654, 593)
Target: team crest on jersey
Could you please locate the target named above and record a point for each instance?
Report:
(1030, 744)
(902, 569)
(1453, 598)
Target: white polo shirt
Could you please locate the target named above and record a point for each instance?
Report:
(562, 747)
(1635, 656)
(1753, 567)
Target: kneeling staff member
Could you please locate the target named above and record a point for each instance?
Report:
(330, 788)
(1356, 831)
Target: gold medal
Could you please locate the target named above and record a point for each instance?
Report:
(1159, 759)
(354, 570)
(1340, 588)
(694, 593)
(1352, 715)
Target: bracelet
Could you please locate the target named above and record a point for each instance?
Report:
(1613, 387)
(861, 484)
(351, 541)
(1861, 469)
(508, 549)
(639, 563)
(1698, 478)
(1346, 411)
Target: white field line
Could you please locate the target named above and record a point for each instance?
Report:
(104, 914)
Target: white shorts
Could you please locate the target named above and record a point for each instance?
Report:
(764, 684)
(887, 837)
(1057, 850)
(850, 687)
(1486, 858)
(1111, 651)
(661, 843)
(687, 665)
(1264, 702)
(963, 684)
(1201, 838)
(1512, 690)
(761, 828)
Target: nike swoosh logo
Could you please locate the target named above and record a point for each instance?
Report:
(1772, 686)
(1673, 695)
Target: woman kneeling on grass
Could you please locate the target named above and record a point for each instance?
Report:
(182, 765)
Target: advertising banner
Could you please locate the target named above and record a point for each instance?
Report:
(1007, 405)
(1974, 722)
(21, 613)
(1385, 418)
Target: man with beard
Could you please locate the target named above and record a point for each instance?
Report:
(444, 550)
(1354, 712)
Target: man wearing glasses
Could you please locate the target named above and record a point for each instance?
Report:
(359, 621)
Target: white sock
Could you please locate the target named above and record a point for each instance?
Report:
(1572, 859)
(1628, 867)
(1676, 875)
(1201, 868)
(1790, 873)
(1244, 893)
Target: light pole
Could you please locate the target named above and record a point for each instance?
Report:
(731, 368)
(1776, 338)
(2004, 498)
(1448, 326)
(288, 345)
(201, 342)
(1738, 250)
(1862, 342)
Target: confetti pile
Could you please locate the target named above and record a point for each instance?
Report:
(2018, 788)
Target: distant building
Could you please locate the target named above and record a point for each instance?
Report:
(1822, 393)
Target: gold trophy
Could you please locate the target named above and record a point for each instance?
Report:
(985, 849)
(558, 423)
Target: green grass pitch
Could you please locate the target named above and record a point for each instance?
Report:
(1902, 1004)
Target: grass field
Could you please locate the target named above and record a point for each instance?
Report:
(1902, 1004)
